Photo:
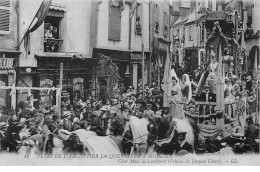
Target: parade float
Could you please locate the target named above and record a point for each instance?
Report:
(223, 59)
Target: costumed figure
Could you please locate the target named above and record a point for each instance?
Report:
(186, 88)
(227, 62)
(176, 90)
(213, 69)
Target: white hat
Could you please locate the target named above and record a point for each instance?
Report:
(66, 113)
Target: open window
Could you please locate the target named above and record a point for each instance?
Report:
(52, 31)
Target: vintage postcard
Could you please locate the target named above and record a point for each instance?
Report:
(129, 82)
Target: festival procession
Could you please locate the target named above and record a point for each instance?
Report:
(130, 77)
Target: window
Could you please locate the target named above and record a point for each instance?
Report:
(157, 25)
(4, 16)
(202, 33)
(183, 35)
(190, 34)
(52, 32)
(114, 32)
(165, 24)
(138, 24)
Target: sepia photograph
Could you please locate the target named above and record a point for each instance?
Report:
(129, 83)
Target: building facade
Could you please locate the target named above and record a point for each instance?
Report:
(160, 38)
(186, 44)
(9, 55)
(119, 30)
(60, 39)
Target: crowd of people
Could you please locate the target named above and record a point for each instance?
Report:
(93, 114)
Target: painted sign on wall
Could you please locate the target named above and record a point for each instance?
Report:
(46, 96)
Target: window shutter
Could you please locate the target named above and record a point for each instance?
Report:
(114, 23)
(4, 16)
(138, 10)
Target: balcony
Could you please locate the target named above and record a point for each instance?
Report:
(52, 45)
(206, 114)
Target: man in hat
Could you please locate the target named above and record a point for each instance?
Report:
(249, 83)
(183, 144)
(55, 124)
(207, 95)
(78, 109)
(66, 123)
(149, 113)
(32, 125)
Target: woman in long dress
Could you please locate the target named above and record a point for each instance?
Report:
(176, 90)
(186, 88)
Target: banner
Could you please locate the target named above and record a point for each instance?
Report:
(40, 15)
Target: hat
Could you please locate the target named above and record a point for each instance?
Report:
(114, 101)
(66, 113)
(31, 121)
(3, 124)
(206, 86)
(78, 106)
(226, 79)
(182, 134)
(55, 116)
(88, 101)
(46, 110)
(238, 133)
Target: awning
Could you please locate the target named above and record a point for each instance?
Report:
(9, 51)
(58, 7)
(64, 55)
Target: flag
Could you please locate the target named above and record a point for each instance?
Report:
(255, 67)
(40, 16)
(243, 44)
(167, 81)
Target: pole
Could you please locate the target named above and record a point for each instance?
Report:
(60, 85)
(220, 90)
(142, 37)
(143, 69)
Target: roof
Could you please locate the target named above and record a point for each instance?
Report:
(179, 21)
(185, 5)
(58, 7)
(191, 18)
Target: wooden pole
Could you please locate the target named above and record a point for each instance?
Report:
(143, 69)
(60, 86)
(142, 37)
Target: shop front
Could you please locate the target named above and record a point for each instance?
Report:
(136, 67)
(7, 78)
(161, 47)
(191, 61)
(76, 81)
(120, 58)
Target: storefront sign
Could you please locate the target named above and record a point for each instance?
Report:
(80, 80)
(46, 96)
(163, 46)
(78, 88)
(6, 63)
(46, 83)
